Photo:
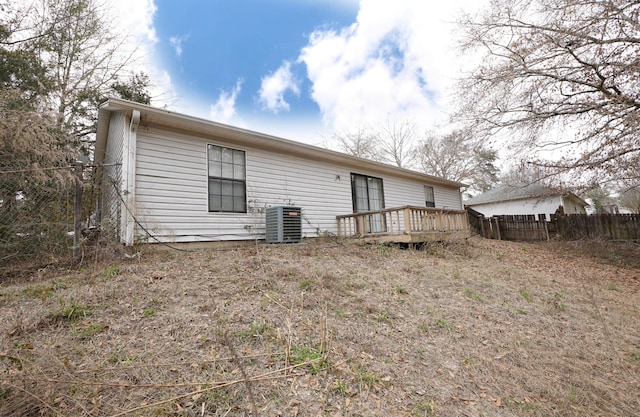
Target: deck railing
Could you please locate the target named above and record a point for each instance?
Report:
(404, 220)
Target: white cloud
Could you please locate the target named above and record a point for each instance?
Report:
(134, 21)
(224, 109)
(176, 42)
(275, 85)
(393, 62)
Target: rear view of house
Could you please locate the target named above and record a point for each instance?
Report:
(169, 177)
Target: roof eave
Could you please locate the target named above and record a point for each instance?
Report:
(151, 116)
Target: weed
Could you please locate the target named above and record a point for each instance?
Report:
(383, 316)
(526, 295)
(444, 324)
(38, 292)
(44, 291)
(557, 302)
(70, 312)
(401, 290)
(257, 330)
(148, 312)
(367, 379)
(456, 274)
(384, 250)
(424, 410)
(111, 271)
(88, 331)
(340, 387)
(472, 294)
(305, 284)
(613, 287)
(221, 398)
(522, 311)
(636, 356)
(313, 355)
(424, 327)
(119, 357)
(573, 395)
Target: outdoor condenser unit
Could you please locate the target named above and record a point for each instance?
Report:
(283, 224)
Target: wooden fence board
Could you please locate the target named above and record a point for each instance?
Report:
(570, 227)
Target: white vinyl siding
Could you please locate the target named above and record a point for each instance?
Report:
(172, 196)
(536, 206)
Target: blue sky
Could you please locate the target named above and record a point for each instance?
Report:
(214, 47)
(300, 69)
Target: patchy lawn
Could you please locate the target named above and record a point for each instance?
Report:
(329, 328)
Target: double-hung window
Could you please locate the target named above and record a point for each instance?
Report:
(227, 179)
(429, 199)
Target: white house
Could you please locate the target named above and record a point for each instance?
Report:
(530, 199)
(169, 177)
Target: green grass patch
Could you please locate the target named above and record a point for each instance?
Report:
(72, 311)
(111, 271)
(305, 284)
(423, 409)
(256, 331)
(87, 331)
(444, 324)
(367, 378)
(313, 356)
(526, 295)
(472, 294)
(401, 290)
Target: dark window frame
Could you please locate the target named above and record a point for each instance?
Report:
(230, 180)
(354, 192)
(429, 192)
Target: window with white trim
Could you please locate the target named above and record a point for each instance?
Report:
(429, 198)
(227, 179)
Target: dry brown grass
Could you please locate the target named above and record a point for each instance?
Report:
(480, 329)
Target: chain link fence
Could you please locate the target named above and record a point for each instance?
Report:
(45, 216)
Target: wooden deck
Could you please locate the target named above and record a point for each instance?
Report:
(407, 224)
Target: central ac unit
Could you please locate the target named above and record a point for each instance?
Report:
(283, 224)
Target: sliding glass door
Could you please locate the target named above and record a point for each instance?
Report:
(368, 195)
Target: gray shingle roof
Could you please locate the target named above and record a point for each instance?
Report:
(511, 192)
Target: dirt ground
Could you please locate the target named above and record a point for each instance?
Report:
(330, 328)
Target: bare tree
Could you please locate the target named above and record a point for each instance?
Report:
(358, 142)
(564, 76)
(391, 142)
(84, 56)
(458, 157)
(630, 198)
(396, 142)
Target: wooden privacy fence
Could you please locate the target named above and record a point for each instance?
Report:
(597, 226)
(570, 227)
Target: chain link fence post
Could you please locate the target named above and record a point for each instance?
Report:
(77, 210)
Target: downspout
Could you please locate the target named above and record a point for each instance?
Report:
(129, 189)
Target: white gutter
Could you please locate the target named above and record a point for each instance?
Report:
(151, 116)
